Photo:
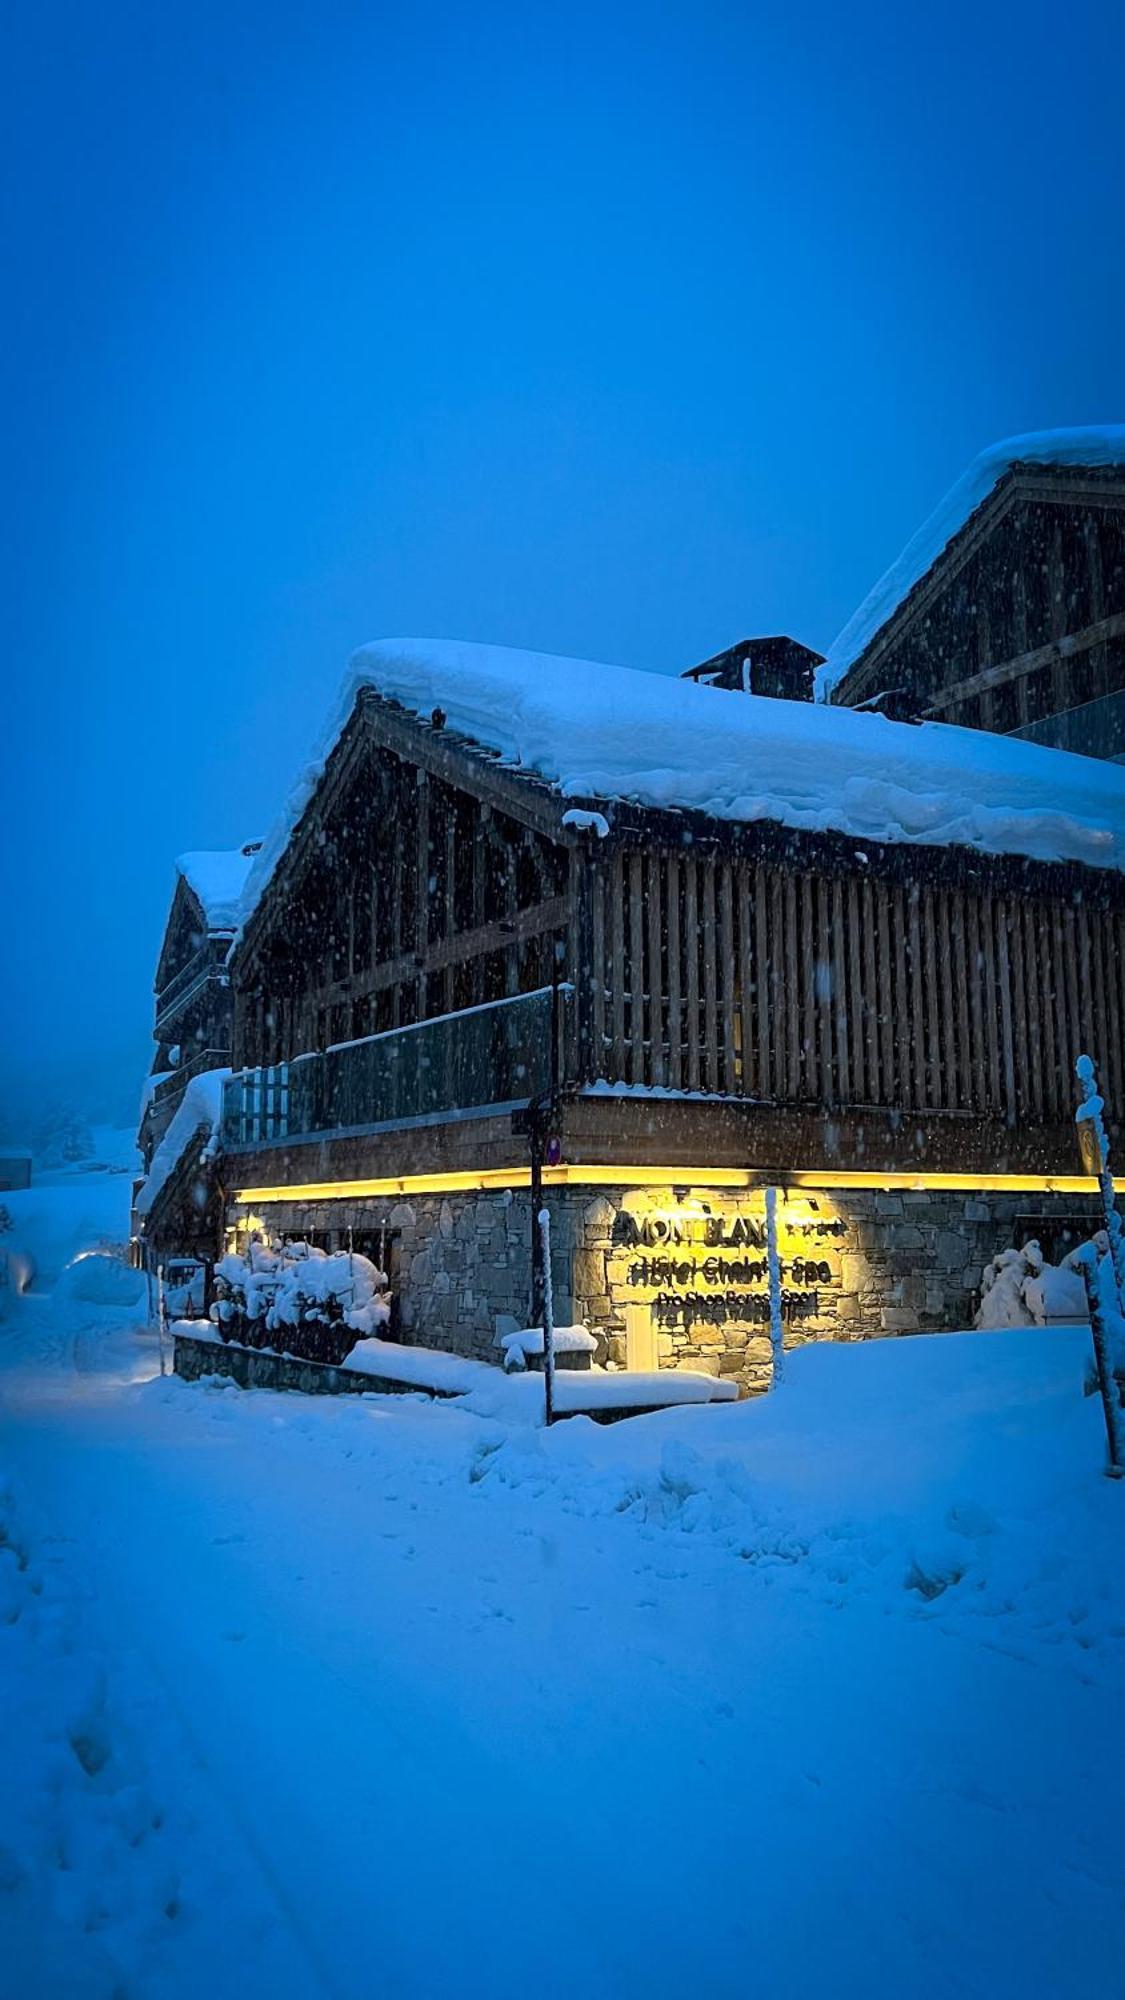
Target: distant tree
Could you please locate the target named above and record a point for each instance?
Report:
(63, 1138)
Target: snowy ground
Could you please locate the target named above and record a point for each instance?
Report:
(821, 1694)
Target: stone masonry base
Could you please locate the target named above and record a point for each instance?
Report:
(687, 1265)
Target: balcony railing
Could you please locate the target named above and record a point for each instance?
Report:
(490, 1058)
(203, 966)
(173, 1086)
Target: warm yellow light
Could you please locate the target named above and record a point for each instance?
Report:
(483, 1179)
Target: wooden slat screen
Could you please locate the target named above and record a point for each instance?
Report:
(747, 979)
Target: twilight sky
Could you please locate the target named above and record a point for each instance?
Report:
(620, 332)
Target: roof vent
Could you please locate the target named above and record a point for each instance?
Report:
(780, 667)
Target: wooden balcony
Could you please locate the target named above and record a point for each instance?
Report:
(205, 967)
(480, 1060)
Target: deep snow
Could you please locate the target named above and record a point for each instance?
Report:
(818, 1694)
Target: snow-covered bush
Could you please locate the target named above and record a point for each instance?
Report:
(325, 1290)
(1020, 1288)
(299, 1298)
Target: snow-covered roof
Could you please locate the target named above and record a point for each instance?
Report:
(218, 878)
(200, 1108)
(602, 732)
(1093, 444)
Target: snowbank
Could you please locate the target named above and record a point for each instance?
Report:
(67, 1211)
(1096, 444)
(603, 732)
(421, 1367)
(518, 1398)
(200, 1108)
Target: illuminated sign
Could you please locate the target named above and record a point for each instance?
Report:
(697, 1268)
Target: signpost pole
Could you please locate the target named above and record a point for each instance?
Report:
(773, 1264)
(161, 1312)
(548, 1318)
(1104, 1277)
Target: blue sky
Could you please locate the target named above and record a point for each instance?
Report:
(606, 331)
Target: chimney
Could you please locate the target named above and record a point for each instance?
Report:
(780, 667)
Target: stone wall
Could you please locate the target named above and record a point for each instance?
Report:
(897, 1262)
(901, 1262)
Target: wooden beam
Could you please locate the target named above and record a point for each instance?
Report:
(763, 985)
(617, 1069)
(636, 969)
(597, 967)
(726, 976)
(748, 1083)
(691, 947)
(653, 886)
(675, 980)
(1067, 647)
(711, 1075)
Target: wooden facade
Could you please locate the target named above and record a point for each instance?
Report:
(1021, 618)
(193, 1010)
(815, 989)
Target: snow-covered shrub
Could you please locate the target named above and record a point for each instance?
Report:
(299, 1298)
(1020, 1288)
(328, 1290)
(244, 1286)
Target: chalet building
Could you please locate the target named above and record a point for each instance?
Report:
(1007, 611)
(655, 946)
(192, 1025)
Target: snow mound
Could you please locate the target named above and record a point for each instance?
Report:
(419, 1367)
(98, 1278)
(602, 732)
(1093, 444)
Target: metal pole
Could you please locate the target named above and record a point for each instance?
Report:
(555, 1026)
(535, 1142)
(161, 1311)
(1101, 1275)
(1091, 1114)
(548, 1319)
(777, 1325)
(1088, 1263)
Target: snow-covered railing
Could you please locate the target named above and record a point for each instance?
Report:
(203, 966)
(489, 1058)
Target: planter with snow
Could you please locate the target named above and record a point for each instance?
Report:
(299, 1300)
(574, 1348)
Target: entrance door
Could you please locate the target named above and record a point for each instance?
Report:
(640, 1339)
